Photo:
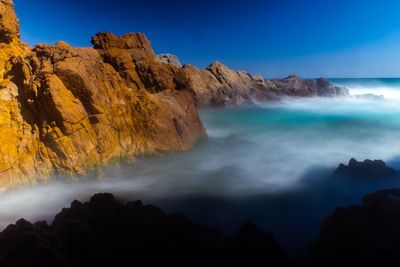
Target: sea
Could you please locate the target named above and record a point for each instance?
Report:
(269, 163)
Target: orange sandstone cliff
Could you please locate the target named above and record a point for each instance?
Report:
(65, 110)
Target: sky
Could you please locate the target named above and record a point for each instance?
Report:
(324, 38)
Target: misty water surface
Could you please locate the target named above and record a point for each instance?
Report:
(270, 163)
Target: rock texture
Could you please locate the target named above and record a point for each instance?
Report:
(9, 26)
(67, 110)
(216, 86)
(361, 235)
(133, 58)
(170, 59)
(219, 85)
(105, 232)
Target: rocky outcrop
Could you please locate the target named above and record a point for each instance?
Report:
(294, 86)
(370, 170)
(132, 57)
(9, 26)
(216, 86)
(219, 85)
(67, 110)
(361, 235)
(105, 232)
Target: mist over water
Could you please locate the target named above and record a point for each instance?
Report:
(270, 163)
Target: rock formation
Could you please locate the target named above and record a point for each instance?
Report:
(67, 110)
(9, 26)
(361, 235)
(219, 85)
(170, 59)
(105, 232)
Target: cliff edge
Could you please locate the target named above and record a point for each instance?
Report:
(66, 110)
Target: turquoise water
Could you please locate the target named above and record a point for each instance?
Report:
(270, 163)
(393, 83)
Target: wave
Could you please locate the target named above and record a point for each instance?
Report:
(387, 88)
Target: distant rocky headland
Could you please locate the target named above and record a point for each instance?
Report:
(66, 110)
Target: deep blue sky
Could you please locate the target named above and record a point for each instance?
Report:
(332, 38)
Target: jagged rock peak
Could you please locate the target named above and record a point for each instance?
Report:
(9, 24)
(170, 59)
(136, 42)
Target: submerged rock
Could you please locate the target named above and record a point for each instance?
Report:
(367, 170)
(105, 232)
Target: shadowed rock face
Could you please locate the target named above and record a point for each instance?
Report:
(362, 235)
(105, 232)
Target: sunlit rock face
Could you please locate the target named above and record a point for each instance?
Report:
(9, 26)
(66, 110)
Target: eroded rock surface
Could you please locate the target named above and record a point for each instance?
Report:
(9, 26)
(170, 59)
(219, 85)
(67, 110)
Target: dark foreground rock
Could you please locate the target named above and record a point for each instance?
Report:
(105, 232)
(361, 235)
